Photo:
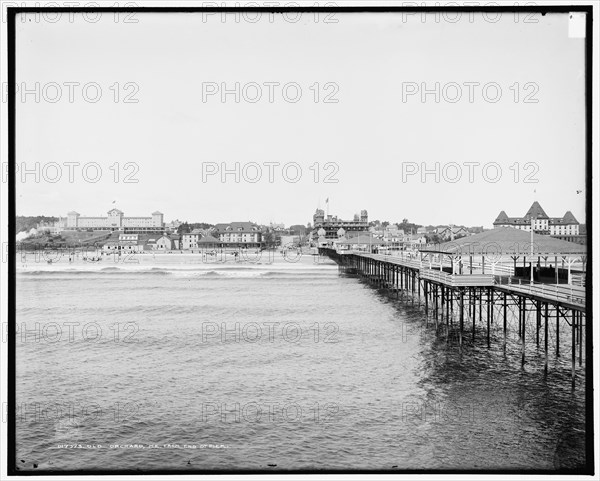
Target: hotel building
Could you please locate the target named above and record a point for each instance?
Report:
(115, 220)
(565, 227)
(331, 224)
(240, 234)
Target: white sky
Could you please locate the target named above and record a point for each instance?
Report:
(369, 133)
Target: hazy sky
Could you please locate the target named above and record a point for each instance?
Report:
(371, 135)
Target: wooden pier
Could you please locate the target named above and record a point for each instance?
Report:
(484, 299)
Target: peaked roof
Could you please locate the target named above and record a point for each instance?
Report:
(208, 239)
(453, 229)
(507, 241)
(502, 217)
(245, 226)
(115, 210)
(569, 218)
(536, 211)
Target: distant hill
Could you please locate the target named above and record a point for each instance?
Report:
(26, 223)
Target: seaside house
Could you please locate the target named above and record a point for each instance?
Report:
(238, 234)
(163, 243)
(190, 240)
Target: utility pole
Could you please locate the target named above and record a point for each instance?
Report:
(531, 261)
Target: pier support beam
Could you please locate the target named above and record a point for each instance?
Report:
(522, 307)
(580, 316)
(489, 316)
(451, 306)
(472, 305)
(538, 321)
(557, 331)
(546, 337)
(435, 304)
(462, 316)
(573, 328)
(441, 300)
(504, 320)
(520, 315)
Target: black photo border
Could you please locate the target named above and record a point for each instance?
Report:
(12, 12)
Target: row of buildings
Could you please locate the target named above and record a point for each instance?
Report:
(333, 228)
(197, 239)
(136, 234)
(237, 235)
(330, 230)
(128, 242)
(153, 233)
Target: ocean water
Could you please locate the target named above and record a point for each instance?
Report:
(183, 362)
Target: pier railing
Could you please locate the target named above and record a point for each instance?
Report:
(455, 280)
(568, 293)
(402, 261)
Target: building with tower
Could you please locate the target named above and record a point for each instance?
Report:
(331, 224)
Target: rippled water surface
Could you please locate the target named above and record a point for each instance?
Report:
(175, 363)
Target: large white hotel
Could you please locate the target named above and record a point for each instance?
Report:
(115, 220)
(565, 227)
